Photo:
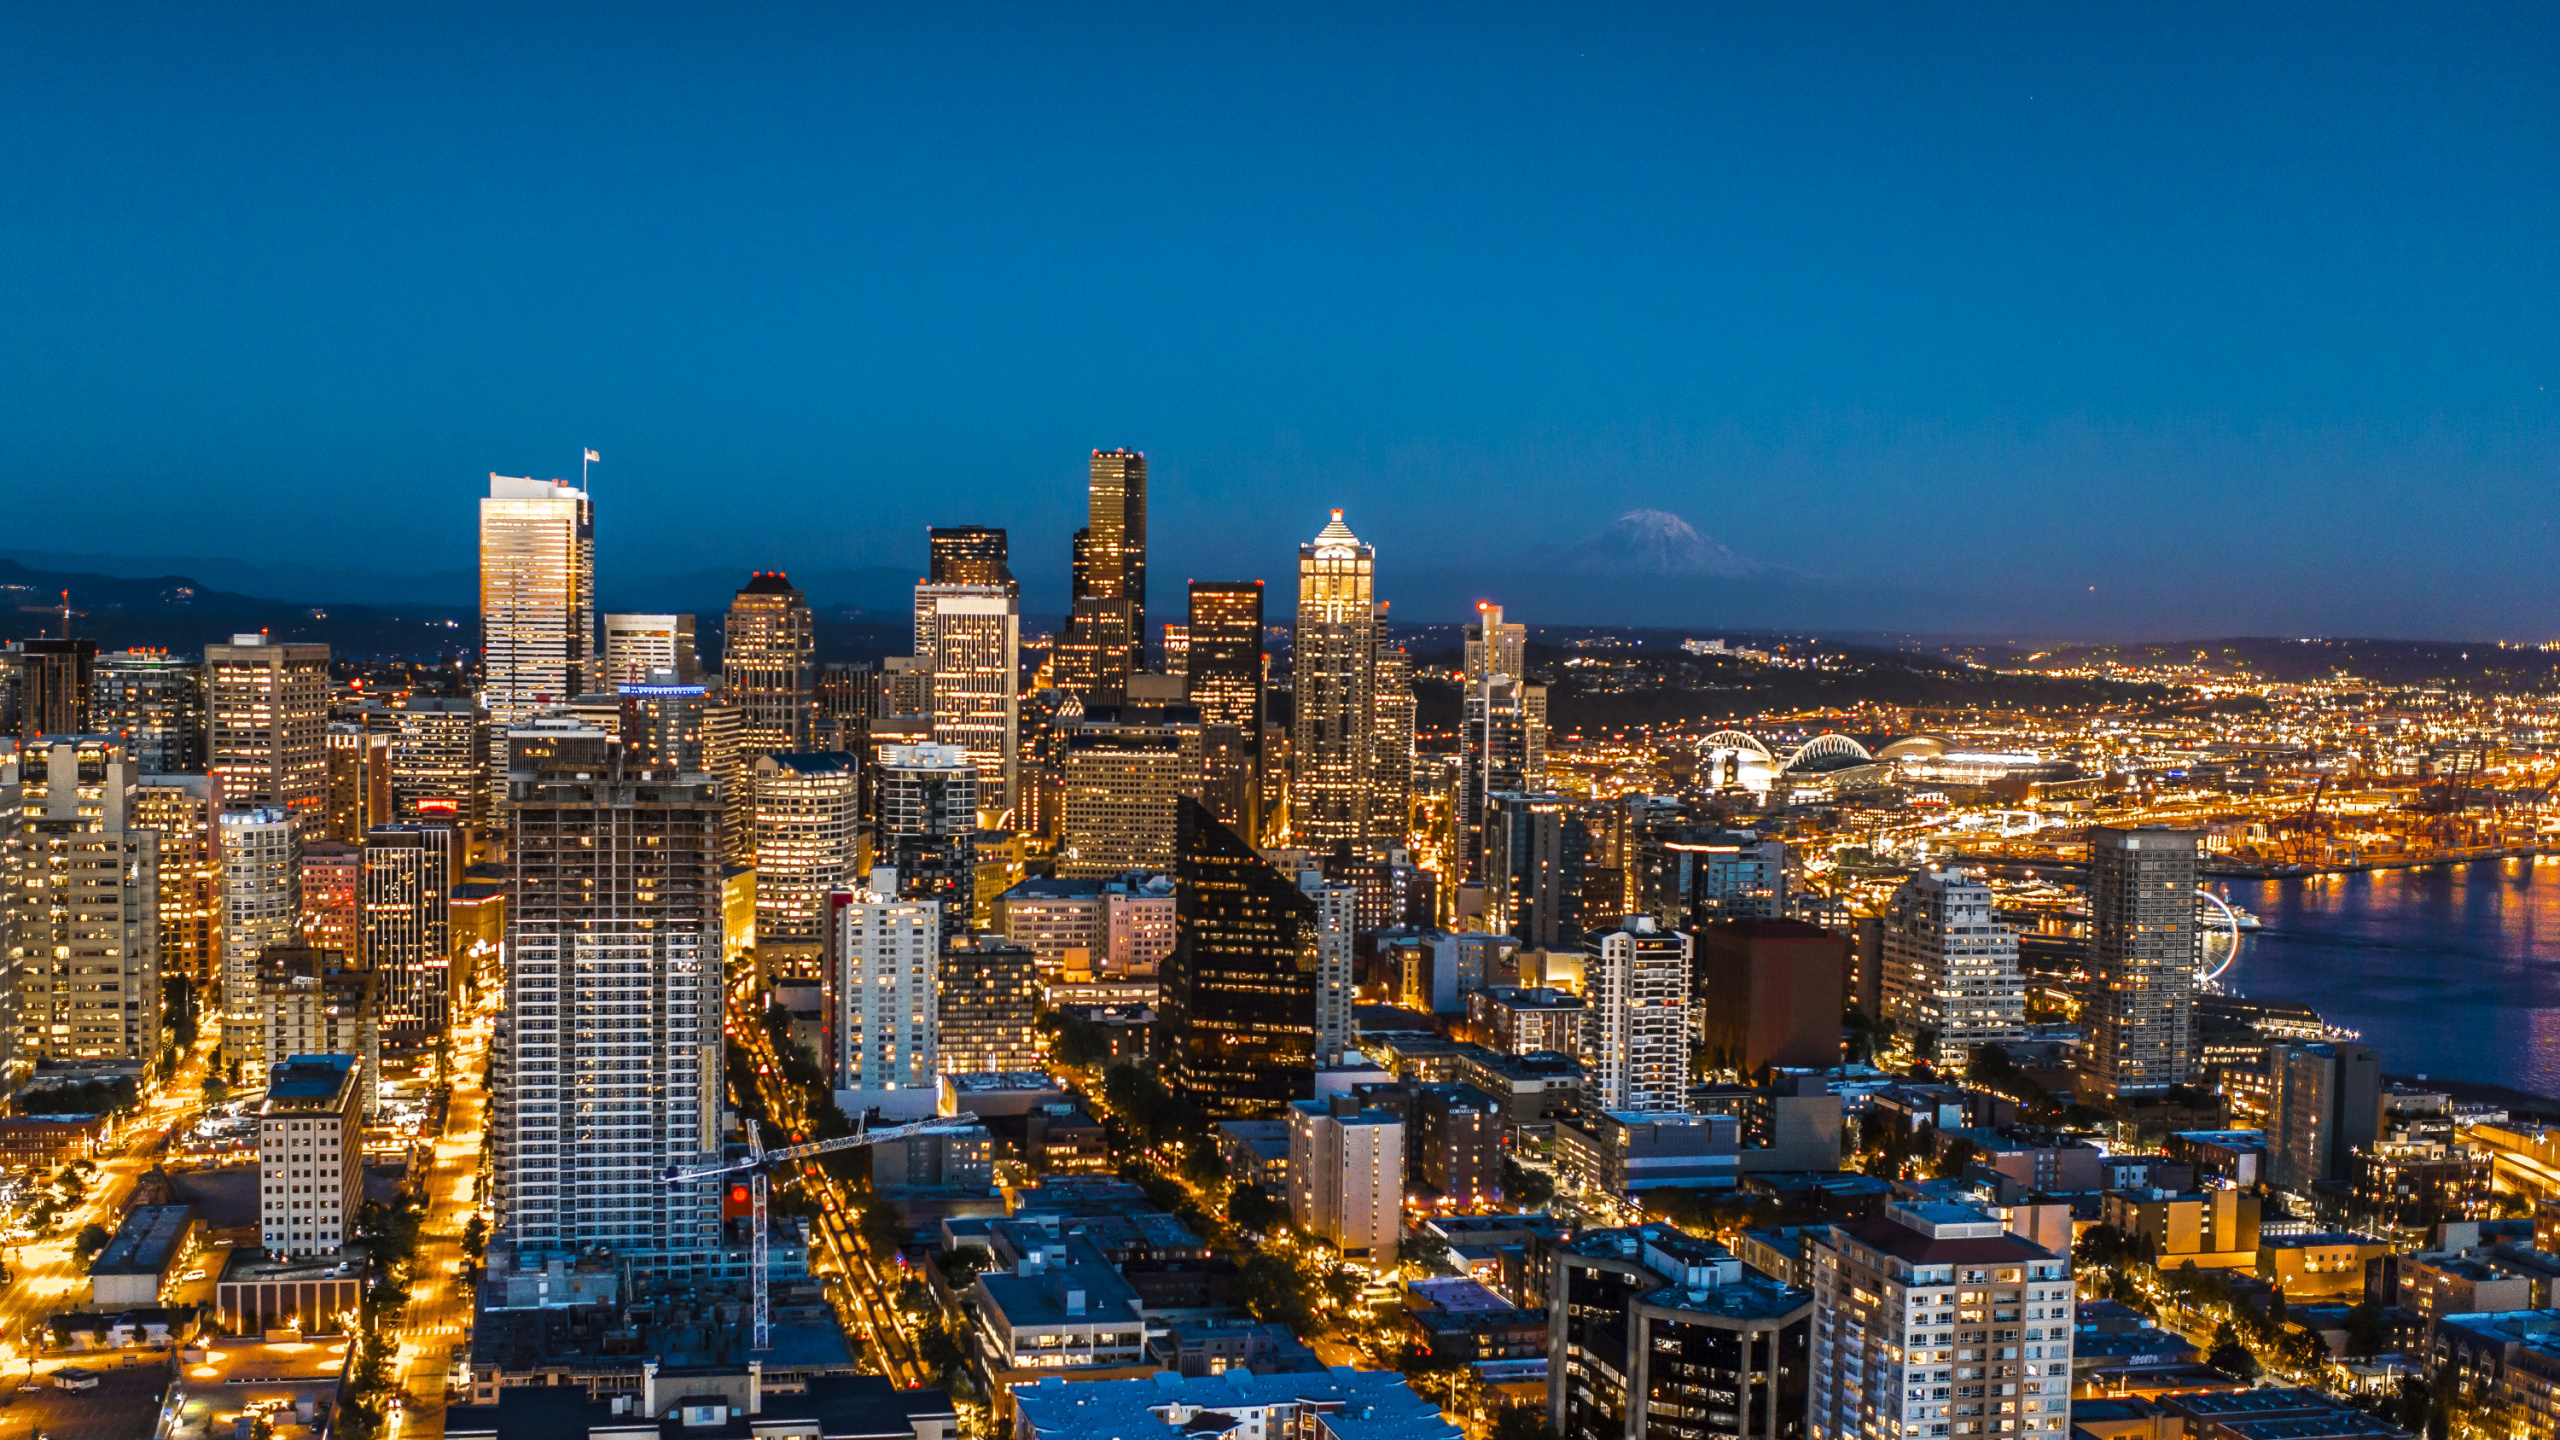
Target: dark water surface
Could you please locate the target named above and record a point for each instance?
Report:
(2449, 972)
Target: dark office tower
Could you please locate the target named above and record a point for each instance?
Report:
(2144, 945)
(2327, 1104)
(989, 1005)
(1107, 628)
(968, 555)
(1334, 712)
(608, 1056)
(1050, 720)
(1503, 748)
(1391, 735)
(409, 874)
(849, 690)
(928, 827)
(1535, 849)
(1239, 1009)
(155, 706)
(769, 665)
(59, 677)
(1224, 668)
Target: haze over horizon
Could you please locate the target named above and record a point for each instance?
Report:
(2168, 325)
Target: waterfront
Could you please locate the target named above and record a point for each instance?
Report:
(2447, 971)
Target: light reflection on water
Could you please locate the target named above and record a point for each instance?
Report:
(2446, 971)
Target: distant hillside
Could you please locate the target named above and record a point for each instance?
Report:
(182, 615)
(2389, 662)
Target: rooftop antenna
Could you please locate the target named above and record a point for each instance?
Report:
(66, 614)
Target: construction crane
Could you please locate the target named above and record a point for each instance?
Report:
(758, 1159)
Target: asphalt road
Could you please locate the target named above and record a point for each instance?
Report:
(438, 1316)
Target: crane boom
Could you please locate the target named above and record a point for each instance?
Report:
(759, 1158)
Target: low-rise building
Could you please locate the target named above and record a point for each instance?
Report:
(1062, 1307)
(1337, 1404)
(153, 1244)
(1525, 1020)
(1256, 1152)
(2327, 1262)
(1624, 1152)
(1539, 1085)
(2215, 1229)
(1346, 1174)
(32, 1143)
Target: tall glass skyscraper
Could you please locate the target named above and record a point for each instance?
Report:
(1107, 628)
(1332, 738)
(769, 665)
(1239, 1008)
(537, 596)
(969, 637)
(1224, 669)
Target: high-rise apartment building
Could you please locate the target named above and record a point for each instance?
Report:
(1535, 850)
(808, 810)
(608, 1052)
(1502, 750)
(970, 638)
(1238, 1018)
(2327, 1102)
(1122, 782)
(1346, 1174)
(1223, 663)
(154, 705)
(1691, 876)
(884, 1012)
(989, 1004)
(333, 897)
(80, 918)
(183, 810)
(311, 1155)
(1107, 624)
(1936, 1319)
(1951, 968)
(439, 761)
(261, 907)
(928, 826)
(968, 555)
(1656, 1334)
(640, 648)
(268, 736)
(409, 874)
(537, 596)
(1391, 738)
(359, 779)
(1490, 647)
(314, 1001)
(1333, 727)
(769, 665)
(2144, 947)
(1337, 935)
(1636, 978)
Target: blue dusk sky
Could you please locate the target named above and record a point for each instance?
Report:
(2169, 320)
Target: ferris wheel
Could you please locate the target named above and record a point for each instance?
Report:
(2217, 959)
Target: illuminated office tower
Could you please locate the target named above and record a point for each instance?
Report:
(1636, 979)
(1391, 731)
(537, 596)
(1491, 647)
(1950, 968)
(1337, 929)
(261, 907)
(440, 761)
(2144, 946)
(928, 828)
(688, 728)
(1535, 851)
(182, 809)
(333, 897)
(318, 1001)
(1049, 721)
(808, 818)
(268, 736)
(1177, 647)
(884, 963)
(1121, 786)
(970, 638)
(359, 780)
(637, 647)
(1107, 625)
(57, 680)
(409, 874)
(1238, 1016)
(1333, 730)
(81, 915)
(968, 555)
(769, 665)
(154, 706)
(989, 1001)
(608, 1052)
(1222, 653)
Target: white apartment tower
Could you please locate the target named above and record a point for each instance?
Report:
(1937, 1321)
(1951, 969)
(261, 906)
(1346, 1174)
(537, 596)
(884, 968)
(969, 638)
(1636, 979)
(1336, 930)
(311, 1155)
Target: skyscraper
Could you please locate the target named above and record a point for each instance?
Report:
(1490, 647)
(884, 1015)
(769, 665)
(989, 1002)
(608, 1053)
(359, 778)
(1636, 978)
(537, 596)
(808, 810)
(928, 829)
(183, 810)
(1950, 968)
(1535, 849)
(155, 707)
(2144, 946)
(261, 907)
(57, 682)
(1391, 737)
(409, 873)
(268, 740)
(968, 555)
(1107, 626)
(316, 1001)
(638, 647)
(1121, 783)
(1503, 749)
(333, 897)
(1333, 729)
(1222, 652)
(1337, 933)
(2327, 1101)
(1238, 1021)
(970, 638)
(81, 913)
(439, 760)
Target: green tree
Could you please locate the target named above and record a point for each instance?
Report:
(938, 1350)
(1522, 1422)
(93, 1238)
(1272, 1289)
(1250, 1210)
(1529, 1189)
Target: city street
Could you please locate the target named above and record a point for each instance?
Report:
(438, 1317)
